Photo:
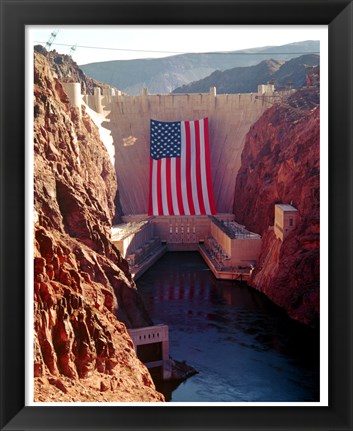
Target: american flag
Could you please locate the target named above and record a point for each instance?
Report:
(180, 171)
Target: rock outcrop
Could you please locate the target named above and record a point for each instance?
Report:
(281, 164)
(64, 67)
(84, 297)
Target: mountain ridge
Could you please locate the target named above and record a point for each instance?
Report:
(163, 75)
(246, 79)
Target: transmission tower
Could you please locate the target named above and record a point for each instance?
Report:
(73, 49)
(51, 39)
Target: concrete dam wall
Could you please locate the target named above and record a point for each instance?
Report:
(128, 120)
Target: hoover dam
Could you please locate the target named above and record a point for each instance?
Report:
(229, 249)
(128, 120)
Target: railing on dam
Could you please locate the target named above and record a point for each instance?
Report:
(126, 104)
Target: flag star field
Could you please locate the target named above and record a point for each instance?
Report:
(165, 139)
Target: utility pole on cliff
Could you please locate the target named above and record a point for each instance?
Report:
(73, 49)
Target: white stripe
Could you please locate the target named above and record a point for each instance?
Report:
(195, 197)
(174, 189)
(154, 187)
(164, 187)
(203, 168)
(184, 193)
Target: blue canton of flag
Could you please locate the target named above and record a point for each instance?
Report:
(165, 139)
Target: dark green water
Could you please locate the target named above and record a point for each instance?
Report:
(244, 348)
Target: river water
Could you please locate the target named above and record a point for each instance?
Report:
(244, 348)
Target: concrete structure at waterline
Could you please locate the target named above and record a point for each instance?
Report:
(154, 335)
(230, 250)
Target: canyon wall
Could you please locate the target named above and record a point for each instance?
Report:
(128, 120)
(281, 164)
(84, 297)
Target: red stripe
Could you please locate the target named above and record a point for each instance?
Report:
(178, 185)
(169, 185)
(208, 168)
(198, 144)
(150, 208)
(159, 187)
(188, 168)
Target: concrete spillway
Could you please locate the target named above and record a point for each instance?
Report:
(127, 118)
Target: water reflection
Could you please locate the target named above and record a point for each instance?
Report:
(243, 346)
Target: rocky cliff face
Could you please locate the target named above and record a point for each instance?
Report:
(280, 164)
(83, 292)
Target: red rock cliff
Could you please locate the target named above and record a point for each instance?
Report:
(83, 292)
(280, 164)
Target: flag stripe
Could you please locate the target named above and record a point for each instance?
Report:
(183, 179)
(178, 186)
(199, 163)
(194, 163)
(205, 193)
(174, 181)
(169, 181)
(159, 186)
(154, 185)
(164, 186)
(208, 168)
(188, 169)
(150, 207)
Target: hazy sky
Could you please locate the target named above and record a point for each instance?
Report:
(105, 43)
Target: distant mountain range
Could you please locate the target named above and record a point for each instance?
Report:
(163, 75)
(282, 74)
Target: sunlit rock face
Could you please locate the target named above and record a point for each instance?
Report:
(64, 67)
(281, 164)
(84, 297)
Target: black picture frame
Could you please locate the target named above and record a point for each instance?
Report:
(15, 14)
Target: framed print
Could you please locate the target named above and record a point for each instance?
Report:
(236, 158)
